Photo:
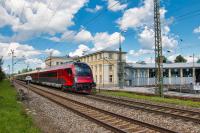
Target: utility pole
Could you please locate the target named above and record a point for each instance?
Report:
(9, 71)
(50, 57)
(12, 52)
(120, 66)
(158, 49)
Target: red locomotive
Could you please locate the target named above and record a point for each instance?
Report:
(74, 76)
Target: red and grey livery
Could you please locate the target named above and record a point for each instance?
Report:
(74, 76)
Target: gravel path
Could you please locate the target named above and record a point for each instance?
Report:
(52, 118)
(168, 122)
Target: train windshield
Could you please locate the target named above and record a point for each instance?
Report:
(82, 70)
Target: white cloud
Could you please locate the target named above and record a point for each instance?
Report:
(140, 52)
(80, 50)
(189, 58)
(4, 38)
(81, 36)
(137, 16)
(55, 39)
(54, 52)
(20, 50)
(115, 5)
(35, 62)
(149, 60)
(24, 55)
(140, 19)
(146, 39)
(39, 16)
(197, 30)
(105, 40)
(100, 40)
(96, 9)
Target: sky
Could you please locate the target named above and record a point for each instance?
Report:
(34, 28)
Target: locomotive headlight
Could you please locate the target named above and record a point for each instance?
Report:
(75, 79)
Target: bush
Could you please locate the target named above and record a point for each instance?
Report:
(2, 74)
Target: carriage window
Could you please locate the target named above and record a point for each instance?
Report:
(52, 74)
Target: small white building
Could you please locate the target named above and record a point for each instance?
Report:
(173, 74)
(57, 60)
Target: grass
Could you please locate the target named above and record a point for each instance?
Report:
(153, 98)
(13, 118)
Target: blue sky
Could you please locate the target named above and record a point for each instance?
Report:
(35, 28)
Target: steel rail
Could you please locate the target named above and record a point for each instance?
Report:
(184, 114)
(61, 100)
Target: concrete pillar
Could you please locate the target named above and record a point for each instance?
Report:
(181, 76)
(193, 75)
(148, 76)
(138, 77)
(170, 76)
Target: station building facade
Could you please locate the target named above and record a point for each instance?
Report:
(105, 66)
(173, 74)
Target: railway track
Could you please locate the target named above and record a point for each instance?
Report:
(184, 114)
(109, 120)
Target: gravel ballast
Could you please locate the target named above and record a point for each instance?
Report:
(160, 120)
(52, 118)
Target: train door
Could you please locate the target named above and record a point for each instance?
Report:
(69, 77)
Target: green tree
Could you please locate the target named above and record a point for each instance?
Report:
(163, 58)
(2, 74)
(180, 59)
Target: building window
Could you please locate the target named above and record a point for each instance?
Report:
(100, 79)
(187, 72)
(61, 62)
(175, 72)
(165, 72)
(110, 68)
(152, 73)
(57, 63)
(100, 56)
(110, 78)
(110, 55)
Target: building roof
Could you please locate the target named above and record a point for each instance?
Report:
(102, 51)
(59, 57)
(165, 65)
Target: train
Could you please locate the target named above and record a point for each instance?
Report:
(71, 76)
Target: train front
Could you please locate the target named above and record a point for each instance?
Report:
(83, 78)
